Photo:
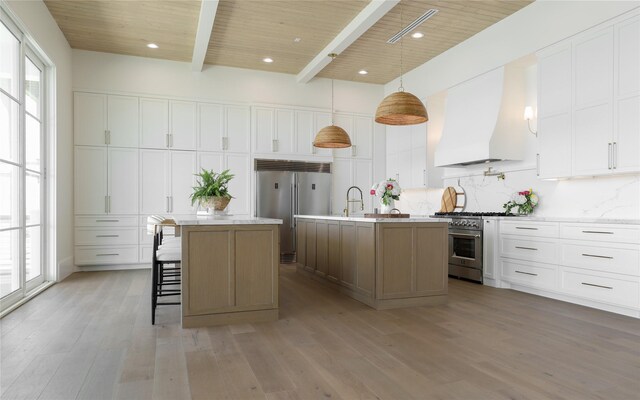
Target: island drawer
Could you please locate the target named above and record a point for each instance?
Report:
(602, 233)
(600, 288)
(602, 258)
(530, 228)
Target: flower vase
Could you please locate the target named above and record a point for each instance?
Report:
(386, 209)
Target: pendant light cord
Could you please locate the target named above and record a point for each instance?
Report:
(401, 88)
(332, 121)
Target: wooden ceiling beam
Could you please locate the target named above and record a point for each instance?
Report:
(208, 11)
(375, 10)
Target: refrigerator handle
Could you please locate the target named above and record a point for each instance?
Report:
(293, 205)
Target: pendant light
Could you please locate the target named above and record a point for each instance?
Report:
(332, 136)
(401, 108)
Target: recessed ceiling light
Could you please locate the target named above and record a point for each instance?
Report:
(363, 72)
(417, 35)
(297, 40)
(267, 60)
(152, 46)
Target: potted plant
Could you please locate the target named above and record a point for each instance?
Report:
(212, 191)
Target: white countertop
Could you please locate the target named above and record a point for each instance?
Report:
(377, 220)
(225, 220)
(612, 221)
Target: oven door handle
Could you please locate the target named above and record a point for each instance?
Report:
(463, 235)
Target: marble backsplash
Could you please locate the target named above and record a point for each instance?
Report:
(594, 197)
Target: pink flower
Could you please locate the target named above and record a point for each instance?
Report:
(372, 192)
(389, 187)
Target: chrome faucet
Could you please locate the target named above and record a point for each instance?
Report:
(361, 201)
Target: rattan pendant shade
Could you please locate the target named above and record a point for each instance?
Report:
(401, 108)
(332, 137)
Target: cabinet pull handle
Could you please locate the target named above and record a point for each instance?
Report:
(599, 232)
(107, 220)
(424, 177)
(526, 248)
(107, 236)
(225, 143)
(167, 140)
(106, 206)
(171, 204)
(526, 228)
(526, 273)
(107, 254)
(609, 151)
(538, 164)
(274, 145)
(167, 204)
(107, 137)
(614, 155)
(354, 150)
(597, 256)
(594, 285)
(171, 139)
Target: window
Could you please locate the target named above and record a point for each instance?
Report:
(22, 166)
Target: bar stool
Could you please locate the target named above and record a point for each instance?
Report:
(166, 251)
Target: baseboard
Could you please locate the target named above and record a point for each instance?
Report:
(65, 268)
(115, 267)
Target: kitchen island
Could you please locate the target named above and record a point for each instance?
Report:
(229, 270)
(384, 263)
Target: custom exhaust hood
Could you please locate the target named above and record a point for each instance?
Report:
(483, 119)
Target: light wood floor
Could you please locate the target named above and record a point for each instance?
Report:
(90, 337)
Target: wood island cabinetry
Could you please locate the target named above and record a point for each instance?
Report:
(382, 264)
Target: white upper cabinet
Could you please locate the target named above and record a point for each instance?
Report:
(263, 130)
(363, 178)
(154, 123)
(304, 132)
(554, 112)
(320, 121)
(122, 121)
(223, 128)
(593, 102)
(123, 181)
(101, 120)
(363, 135)
(210, 127)
(345, 122)
(90, 180)
(599, 78)
(626, 141)
(342, 179)
(407, 155)
(211, 161)
(237, 129)
(90, 119)
(183, 123)
(284, 131)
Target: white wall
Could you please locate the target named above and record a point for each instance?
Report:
(34, 18)
(118, 73)
(534, 27)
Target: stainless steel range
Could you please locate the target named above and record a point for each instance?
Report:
(465, 243)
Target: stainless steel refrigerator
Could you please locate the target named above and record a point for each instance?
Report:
(286, 188)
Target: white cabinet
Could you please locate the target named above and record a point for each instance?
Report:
(347, 173)
(360, 131)
(589, 103)
(223, 128)
(284, 131)
(407, 155)
(182, 122)
(240, 186)
(106, 180)
(167, 124)
(593, 91)
(305, 132)
(263, 130)
(154, 123)
(166, 181)
(90, 180)
(101, 119)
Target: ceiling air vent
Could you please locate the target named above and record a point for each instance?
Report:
(430, 13)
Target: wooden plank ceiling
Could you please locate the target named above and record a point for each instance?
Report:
(246, 31)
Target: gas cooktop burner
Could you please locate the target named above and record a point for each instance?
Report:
(472, 214)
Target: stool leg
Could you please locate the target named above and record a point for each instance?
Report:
(154, 291)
